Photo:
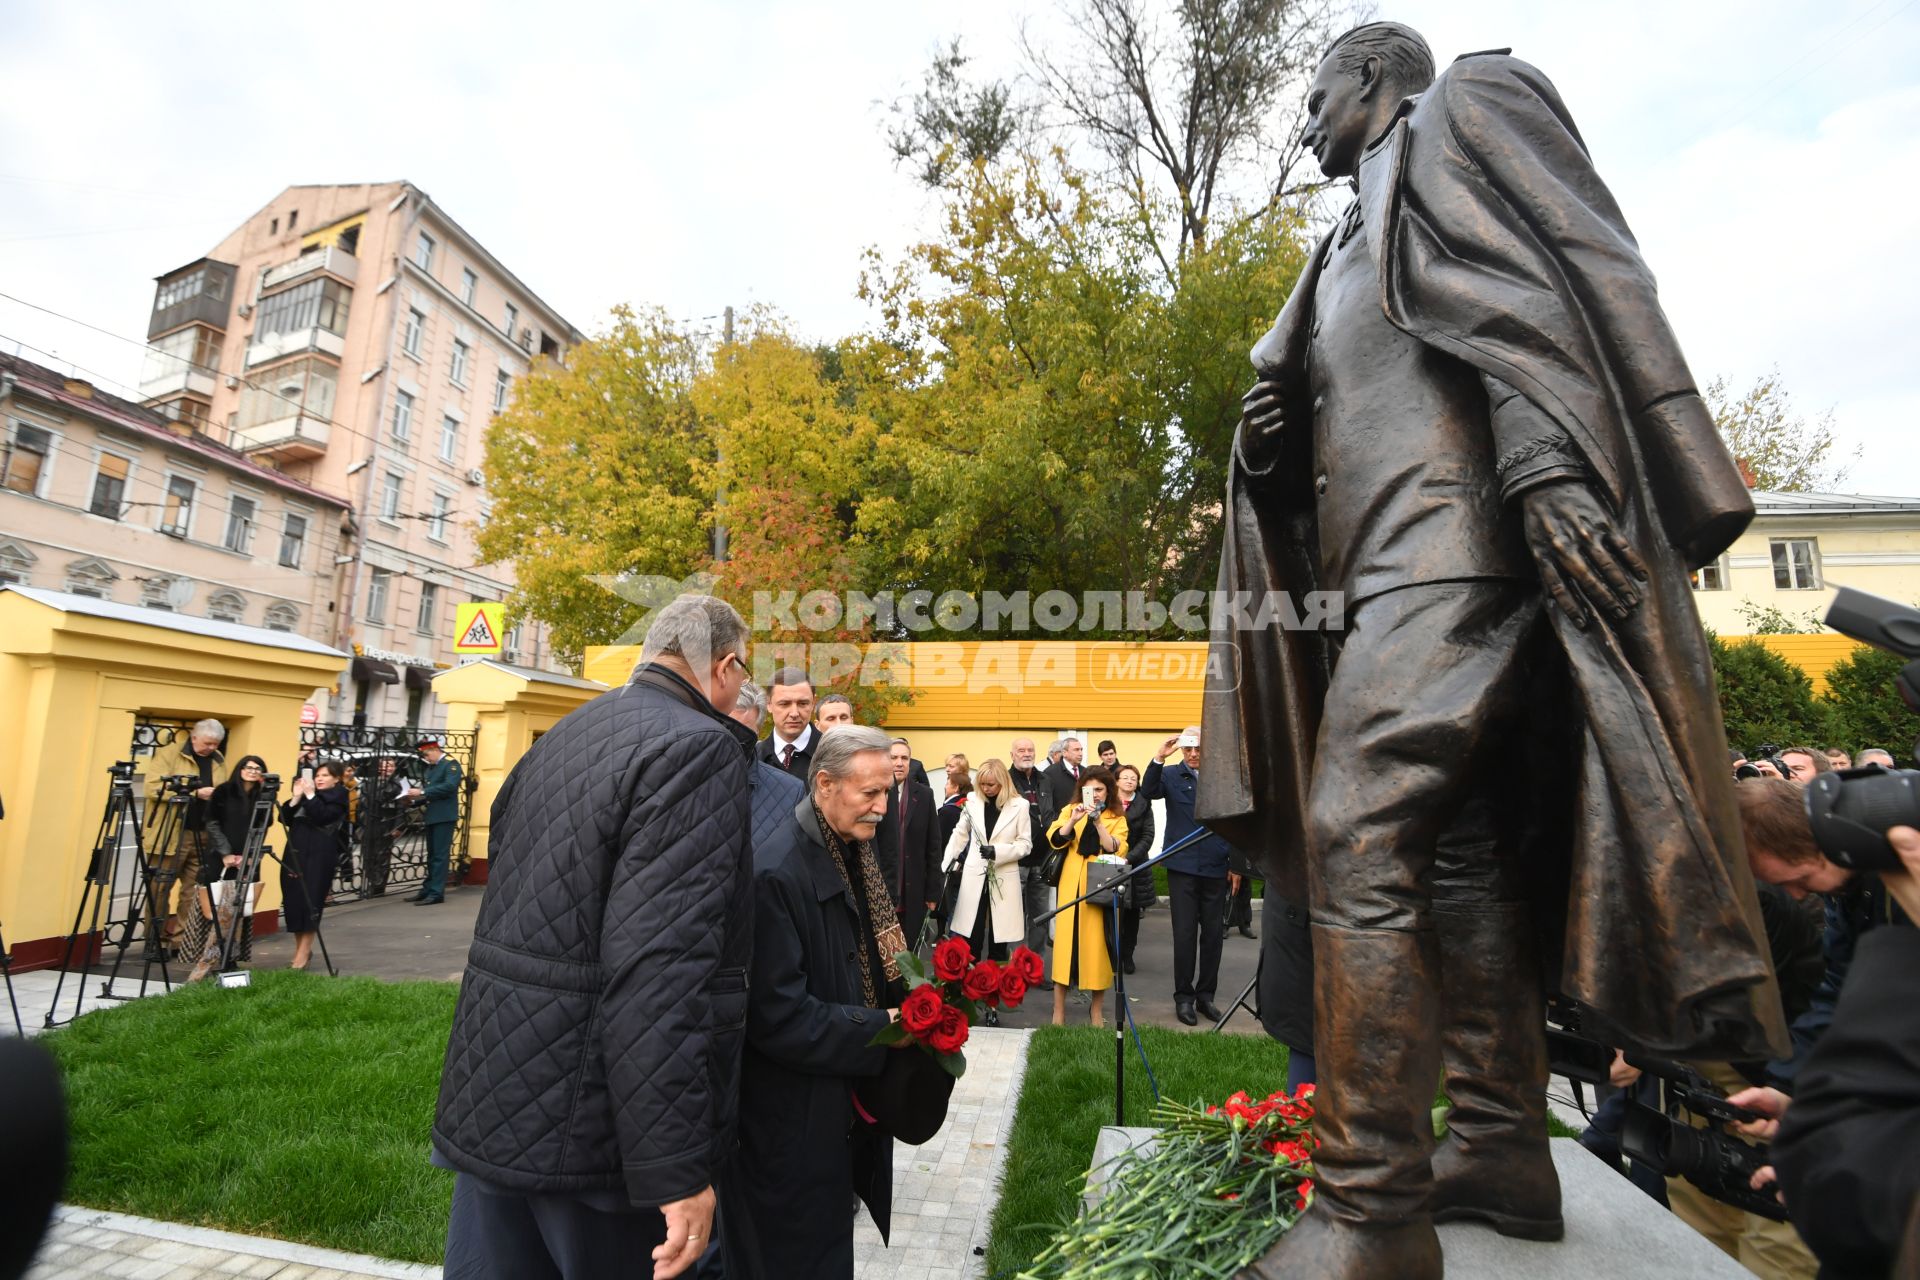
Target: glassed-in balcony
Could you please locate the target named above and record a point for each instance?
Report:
(309, 316)
(286, 412)
(184, 361)
(331, 259)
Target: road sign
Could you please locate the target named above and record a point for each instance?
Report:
(478, 626)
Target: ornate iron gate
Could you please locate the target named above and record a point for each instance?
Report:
(386, 840)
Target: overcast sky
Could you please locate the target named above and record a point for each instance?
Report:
(695, 155)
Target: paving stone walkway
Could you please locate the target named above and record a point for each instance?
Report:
(88, 1244)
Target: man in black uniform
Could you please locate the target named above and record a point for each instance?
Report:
(1473, 421)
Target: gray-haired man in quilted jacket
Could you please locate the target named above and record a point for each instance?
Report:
(588, 1099)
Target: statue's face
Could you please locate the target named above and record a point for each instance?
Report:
(1339, 117)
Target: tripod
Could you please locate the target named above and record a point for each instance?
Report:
(153, 891)
(1120, 1012)
(1251, 989)
(6, 968)
(228, 917)
(103, 870)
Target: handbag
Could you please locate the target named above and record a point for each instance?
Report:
(1054, 863)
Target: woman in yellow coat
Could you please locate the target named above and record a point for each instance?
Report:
(1082, 955)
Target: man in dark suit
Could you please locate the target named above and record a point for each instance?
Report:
(1030, 780)
(823, 981)
(910, 842)
(1196, 880)
(791, 744)
(1063, 783)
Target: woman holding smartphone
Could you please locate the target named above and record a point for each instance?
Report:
(1082, 954)
(313, 819)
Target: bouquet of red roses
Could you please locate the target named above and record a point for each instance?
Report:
(943, 1001)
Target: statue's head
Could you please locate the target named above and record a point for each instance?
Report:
(1361, 82)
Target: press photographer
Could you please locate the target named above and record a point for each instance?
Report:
(199, 764)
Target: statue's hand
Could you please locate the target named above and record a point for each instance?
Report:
(1582, 557)
(1262, 422)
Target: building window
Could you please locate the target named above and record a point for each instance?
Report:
(299, 388)
(110, 486)
(91, 578)
(423, 252)
(437, 518)
(502, 386)
(390, 496)
(513, 318)
(402, 416)
(469, 285)
(176, 516)
(379, 584)
(314, 304)
(293, 540)
(415, 330)
(457, 368)
(16, 563)
(25, 460)
(191, 285)
(227, 606)
(1712, 577)
(428, 617)
(1796, 564)
(157, 593)
(449, 438)
(282, 617)
(240, 514)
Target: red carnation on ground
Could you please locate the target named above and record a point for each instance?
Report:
(1305, 1195)
(951, 1033)
(951, 958)
(921, 1011)
(1027, 963)
(1013, 988)
(983, 982)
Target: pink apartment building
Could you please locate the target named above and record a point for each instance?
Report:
(357, 340)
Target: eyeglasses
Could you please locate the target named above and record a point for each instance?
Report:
(251, 768)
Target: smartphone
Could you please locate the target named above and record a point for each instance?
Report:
(1088, 798)
(306, 771)
(1187, 740)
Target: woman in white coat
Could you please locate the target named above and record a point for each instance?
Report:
(989, 912)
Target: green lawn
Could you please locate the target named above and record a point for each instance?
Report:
(1068, 1096)
(298, 1107)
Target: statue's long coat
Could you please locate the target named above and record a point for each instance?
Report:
(1498, 244)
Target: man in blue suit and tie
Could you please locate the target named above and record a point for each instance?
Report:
(1196, 879)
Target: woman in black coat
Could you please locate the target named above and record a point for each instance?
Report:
(1140, 893)
(229, 816)
(313, 818)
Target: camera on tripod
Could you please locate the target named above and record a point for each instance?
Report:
(1850, 810)
(180, 784)
(1660, 1137)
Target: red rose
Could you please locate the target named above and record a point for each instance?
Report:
(1013, 988)
(920, 1011)
(983, 982)
(1028, 964)
(951, 1033)
(951, 958)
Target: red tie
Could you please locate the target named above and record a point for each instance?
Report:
(786, 757)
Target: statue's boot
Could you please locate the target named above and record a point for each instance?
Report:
(1494, 1166)
(1377, 1046)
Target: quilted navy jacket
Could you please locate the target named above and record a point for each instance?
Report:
(596, 1043)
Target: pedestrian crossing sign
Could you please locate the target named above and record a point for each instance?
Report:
(478, 626)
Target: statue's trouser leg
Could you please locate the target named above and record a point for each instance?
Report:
(1425, 680)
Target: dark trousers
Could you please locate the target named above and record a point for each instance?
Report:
(516, 1237)
(1129, 931)
(1033, 895)
(439, 854)
(1198, 904)
(1240, 905)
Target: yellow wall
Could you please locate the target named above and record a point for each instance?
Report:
(71, 687)
(1876, 553)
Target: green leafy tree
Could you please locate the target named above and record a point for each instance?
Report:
(1763, 697)
(1770, 620)
(1862, 706)
(591, 472)
(1780, 449)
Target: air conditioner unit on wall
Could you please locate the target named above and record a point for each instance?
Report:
(476, 476)
(245, 309)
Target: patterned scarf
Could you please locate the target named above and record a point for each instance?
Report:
(881, 917)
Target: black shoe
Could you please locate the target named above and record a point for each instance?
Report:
(424, 901)
(1249, 934)
(1183, 1010)
(993, 1016)
(415, 897)
(1127, 964)
(1207, 1010)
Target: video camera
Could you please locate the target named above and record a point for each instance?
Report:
(1850, 810)
(1768, 753)
(1712, 1159)
(180, 784)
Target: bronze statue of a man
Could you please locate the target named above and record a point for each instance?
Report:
(1507, 773)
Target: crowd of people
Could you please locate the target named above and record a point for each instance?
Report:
(325, 812)
(665, 1040)
(1846, 1201)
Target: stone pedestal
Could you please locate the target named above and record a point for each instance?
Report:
(1613, 1229)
